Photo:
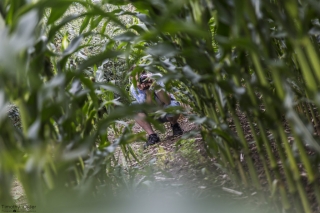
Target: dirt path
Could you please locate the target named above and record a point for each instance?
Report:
(182, 167)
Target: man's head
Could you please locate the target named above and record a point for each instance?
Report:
(144, 81)
(143, 78)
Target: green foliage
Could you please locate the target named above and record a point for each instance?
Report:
(188, 149)
(258, 58)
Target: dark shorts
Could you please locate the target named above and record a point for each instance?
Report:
(162, 119)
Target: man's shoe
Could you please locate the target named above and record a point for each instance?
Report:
(176, 129)
(152, 139)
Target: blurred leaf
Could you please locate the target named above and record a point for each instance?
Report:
(127, 36)
(98, 59)
(85, 24)
(57, 13)
(163, 49)
(74, 44)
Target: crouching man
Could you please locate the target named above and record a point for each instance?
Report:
(147, 91)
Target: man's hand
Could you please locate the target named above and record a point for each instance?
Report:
(145, 85)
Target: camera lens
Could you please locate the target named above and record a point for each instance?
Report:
(142, 79)
(147, 87)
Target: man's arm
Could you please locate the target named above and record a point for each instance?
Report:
(149, 96)
(164, 97)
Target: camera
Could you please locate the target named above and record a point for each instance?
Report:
(144, 79)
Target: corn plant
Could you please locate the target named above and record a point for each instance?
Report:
(236, 63)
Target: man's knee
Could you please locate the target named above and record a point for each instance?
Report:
(140, 116)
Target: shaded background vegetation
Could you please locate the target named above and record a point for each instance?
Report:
(228, 60)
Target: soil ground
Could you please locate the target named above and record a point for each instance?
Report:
(181, 167)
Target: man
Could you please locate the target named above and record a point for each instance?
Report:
(145, 93)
